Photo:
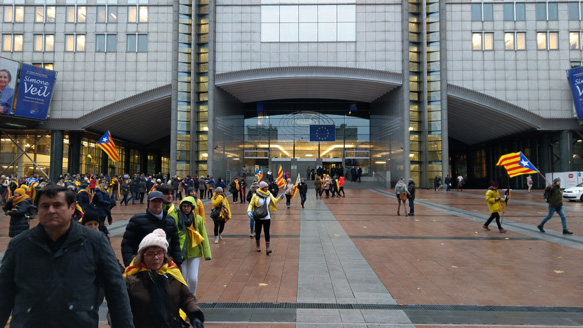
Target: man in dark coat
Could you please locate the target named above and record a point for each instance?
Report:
(303, 189)
(555, 199)
(51, 275)
(142, 224)
(134, 184)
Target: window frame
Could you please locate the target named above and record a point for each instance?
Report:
(578, 34)
(483, 39)
(515, 41)
(13, 38)
(106, 42)
(45, 66)
(13, 9)
(547, 35)
(76, 14)
(108, 14)
(137, 12)
(45, 14)
(76, 37)
(43, 47)
(137, 37)
(571, 11)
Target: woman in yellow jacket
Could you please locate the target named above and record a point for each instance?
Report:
(263, 197)
(218, 199)
(493, 199)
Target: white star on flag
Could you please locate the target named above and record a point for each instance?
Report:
(524, 163)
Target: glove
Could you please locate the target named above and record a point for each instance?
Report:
(208, 259)
(196, 323)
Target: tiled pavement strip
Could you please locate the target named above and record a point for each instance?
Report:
(337, 287)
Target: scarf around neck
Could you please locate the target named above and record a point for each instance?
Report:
(262, 194)
(17, 200)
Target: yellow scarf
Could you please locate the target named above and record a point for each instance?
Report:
(194, 236)
(19, 199)
(237, 185)
(170, 269)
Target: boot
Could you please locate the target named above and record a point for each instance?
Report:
(221, 236)
(216, 239)
(258, 243)
(267, 248)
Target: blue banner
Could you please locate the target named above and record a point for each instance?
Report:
(34, 92)
(576, 82)
(322, 133)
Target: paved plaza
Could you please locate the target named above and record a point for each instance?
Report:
(353, 262)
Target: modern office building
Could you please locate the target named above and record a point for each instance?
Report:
(416, 88)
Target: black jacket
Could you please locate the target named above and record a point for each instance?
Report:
(411, 189)
(303, 188)
(102, 203)
(144, 223)
(43, 289)
(18, 221)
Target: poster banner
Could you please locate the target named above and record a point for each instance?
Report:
(34, 92)
(576, 82)
(8, 77)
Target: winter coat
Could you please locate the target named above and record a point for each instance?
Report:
(303, 188)
(125, 189)
(142, 186)
(289, 189)
(216, 201)
(401, 187)
(200, 250)
(493, 204)
(83, 198)
(143, 224)
(102, 203)
(318, 184)
(411, 188)
(18, 220)
(178, 296)
(555, 197)
(49, 290)
(201, 184)
(271, 208)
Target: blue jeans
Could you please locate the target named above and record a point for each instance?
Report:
(411, 206)
(551, 212)
(251, 220)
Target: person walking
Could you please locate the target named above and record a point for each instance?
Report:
(263, 198)
(555, 199)
(252, 191)
(529, 182)
(460, 182)
(327, 186)
(141, 190)
(103, 203)
(243, 188)
(125, 192)
(17, 206)
(411, 197)
(156, 288)
(211, 186)
(341, 186)
(447, 182)
(144, 223)
(402, 193)
(235, 189)
(219, 200)
(494, 206)
(193, 240)
(289, 190)
(318, 187)
(50, 273)
(202, 187)
(303, 190)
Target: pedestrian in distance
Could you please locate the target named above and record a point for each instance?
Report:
(142, 224)
(289, 190)
(411, 197)
(157, 290)
(341, 186)
(318, 187)
(447, 183)
(220, 202)
(460, 183)
(555, 200)
(402, 193)
(17, 208)
(303, 190)
(193, 240)
(494, 200)
(235, 189)
(242, 189)
(40, 278)
(263, 198)
(529, 183)
(250, 194)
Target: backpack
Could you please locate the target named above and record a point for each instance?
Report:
(31, 212)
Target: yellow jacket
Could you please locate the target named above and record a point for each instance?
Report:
(200, 209)
(254, 203)
(216, 200)
(493, 204)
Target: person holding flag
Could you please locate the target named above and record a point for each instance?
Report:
(494, 206)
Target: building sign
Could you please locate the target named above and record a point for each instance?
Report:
(8, 78)
(576, 82)
(34, 92)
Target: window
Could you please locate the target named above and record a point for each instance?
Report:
(49, 66)
(509, 11)
(308, 23)
(483, 41)
(137, 43)
(75, 42)
(547, 11)
(515, 41)
(44, 42)
(76, 14)
(514, 11)
(547, 40)
(573, 10)
(13, 14)
(12, 42)
(138, 14)
(44, 14)
(520, 11)
(482, 12)
(107, 14)
(105, 43)
(574, 41)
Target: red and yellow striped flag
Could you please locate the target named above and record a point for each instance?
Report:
(106, 143)
(516, 164)
(280, 179)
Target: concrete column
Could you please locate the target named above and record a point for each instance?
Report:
(56, 160)
(20, 164)
(104, 163)
(566, 151)
(74, 153)
(144, 162)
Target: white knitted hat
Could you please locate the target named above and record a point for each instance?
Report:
(156, 238)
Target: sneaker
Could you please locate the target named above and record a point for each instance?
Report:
(486, 227)
(567, 232)
(540, 228)
(502, 230)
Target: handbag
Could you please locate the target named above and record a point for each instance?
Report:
(216, 212)
(260, 212)
(403, 196)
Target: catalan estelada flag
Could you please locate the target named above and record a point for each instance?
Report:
(296, 187)
(516, 164)
(106, 143)
(280, 179)
(259, 174)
